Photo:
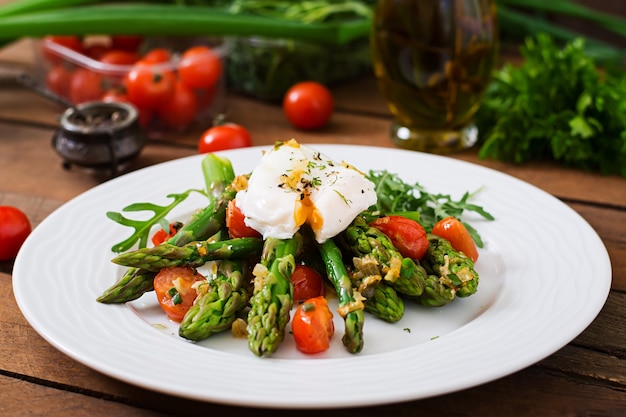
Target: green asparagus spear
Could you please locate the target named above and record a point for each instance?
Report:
(436, 294)
(133, 284)
(403, 274)
(272, 298)
(453, 269)
(193, 254)
(216, 310)
(350, 302)
(383, 302)
(219, 175)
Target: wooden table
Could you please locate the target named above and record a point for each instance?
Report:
(585, 378)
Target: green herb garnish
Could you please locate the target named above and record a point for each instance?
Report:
(394, 196)
(555, 106)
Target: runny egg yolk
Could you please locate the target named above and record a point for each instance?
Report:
(295, 185)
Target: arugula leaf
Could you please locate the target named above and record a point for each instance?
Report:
(142, 227)
(555, 106)
(394, 196)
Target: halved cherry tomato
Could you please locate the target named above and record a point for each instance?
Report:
(180, 110)
(312, 325)
(455, 232)
(308, 105)
(226, 136)
(14, 229)
(235, 222)
(161, 235)
(148, 86)
(408, 236)
(174, 290)
(307, 283)
(85, 86)
(199, 67)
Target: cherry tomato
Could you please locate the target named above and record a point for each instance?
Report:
(180, 110)
(126, 42)
(149, 87)
(200, 67)
(96, 50)
(85, 86)
(307, 283)
(119, 57)
(235, 222)
(115, 95)
(312, 325)
(455, 232)
(161, 235)
(157, 56)
(308, 105)
(174, 290)
(226, 136)
(408, 236)
(58, 80)
(14, 229)
(71, 42)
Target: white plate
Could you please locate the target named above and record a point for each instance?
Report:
(545, 275)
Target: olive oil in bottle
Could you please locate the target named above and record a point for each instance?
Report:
(433, 60)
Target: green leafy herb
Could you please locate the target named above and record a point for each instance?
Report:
(398, 197)
(555, 106)
(142, 227)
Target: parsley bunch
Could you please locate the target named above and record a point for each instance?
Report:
(557, 106)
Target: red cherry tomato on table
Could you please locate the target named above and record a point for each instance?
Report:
(14, 229)
(180, 110)
(148, 86)
(308, 105)
(199, 67)
(226, 136)
(85, 86)
(235, 222)
(455, 232)
(307, 283)
(408, 236)
(312, 325)
(174, 290)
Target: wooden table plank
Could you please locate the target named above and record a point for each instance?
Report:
(21, 398)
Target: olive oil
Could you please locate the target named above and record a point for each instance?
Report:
(433, 60)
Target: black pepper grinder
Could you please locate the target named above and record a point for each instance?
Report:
(99, 135)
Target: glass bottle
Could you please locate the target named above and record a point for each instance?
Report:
(433, 60)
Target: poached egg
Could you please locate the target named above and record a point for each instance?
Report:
(294, 184)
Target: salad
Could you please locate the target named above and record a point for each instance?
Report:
(273, 245)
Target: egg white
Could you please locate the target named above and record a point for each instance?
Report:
(294, 184)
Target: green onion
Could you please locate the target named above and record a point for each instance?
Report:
(161, 19)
